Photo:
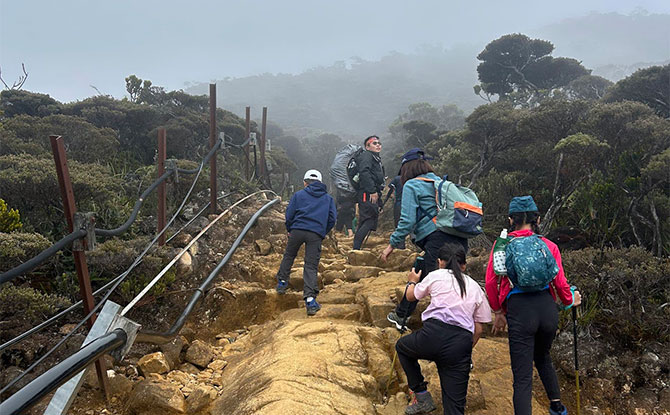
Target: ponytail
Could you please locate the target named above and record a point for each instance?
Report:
(454, 255)
(522, 218)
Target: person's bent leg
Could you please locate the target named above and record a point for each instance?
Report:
(310, 270)
(293, 244)
(453, 366)
(367, 221)
(522, 325)
(409, 353)
(543, 340)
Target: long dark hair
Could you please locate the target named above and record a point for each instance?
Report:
(454, 255)
(522, 218)
(414, 168)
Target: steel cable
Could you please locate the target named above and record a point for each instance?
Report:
(106, 296)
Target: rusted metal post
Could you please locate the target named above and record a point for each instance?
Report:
(246, 147)
(69, 208)
(264, 178)
(212, 142)
(162, 144)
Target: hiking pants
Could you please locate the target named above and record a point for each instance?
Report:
(345, 215)
(532, 319)
(431, 245)
(312, 243)
(368, 214)
(450, 347)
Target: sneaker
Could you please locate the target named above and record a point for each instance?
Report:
(394, 318)
(563, 411)
(282, 286)
(422, 403)
(312, 307)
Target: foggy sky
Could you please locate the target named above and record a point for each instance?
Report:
(69, 45)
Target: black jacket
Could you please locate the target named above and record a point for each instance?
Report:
(370, 172)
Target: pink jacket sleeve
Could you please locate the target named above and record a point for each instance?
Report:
(492, 285)
(560, 284)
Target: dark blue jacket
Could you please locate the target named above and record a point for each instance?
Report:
(311, 209)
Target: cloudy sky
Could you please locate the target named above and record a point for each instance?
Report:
(69, 45)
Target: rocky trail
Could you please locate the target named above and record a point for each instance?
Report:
(249, 350)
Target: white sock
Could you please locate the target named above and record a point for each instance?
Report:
(308, 299)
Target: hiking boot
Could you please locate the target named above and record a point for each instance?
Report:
(394, 318)
(282, 286)
(422, 403)
(563, 411)
(312, 307)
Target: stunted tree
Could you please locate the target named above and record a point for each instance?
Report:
(491, 129)
(520, 69)
(587, 87)
(575, 158)
(651, 86)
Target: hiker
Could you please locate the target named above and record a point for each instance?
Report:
(395, 190)
(371, 184)
(310, 215)
(452, 325)
(532, 316)
(418, 196)
(346, 209)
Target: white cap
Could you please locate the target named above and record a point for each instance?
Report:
(312, 175)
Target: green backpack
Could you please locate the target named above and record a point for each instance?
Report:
(459, 211)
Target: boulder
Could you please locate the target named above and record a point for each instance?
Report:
(356, 272)
(155, 396)
(361, 257)
(262, 247)
(172, 350)
(153, 363)
(199, 353)
(201, 397)
(119, 384)
(185, 264)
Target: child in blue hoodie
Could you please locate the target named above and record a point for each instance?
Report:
(310, 215)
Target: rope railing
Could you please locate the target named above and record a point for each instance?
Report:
(118, 281)
(159, 338)
(56, 376)
(78, 234)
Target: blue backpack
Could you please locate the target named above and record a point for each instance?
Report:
(530, 264)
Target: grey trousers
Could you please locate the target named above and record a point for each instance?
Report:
(312, 243)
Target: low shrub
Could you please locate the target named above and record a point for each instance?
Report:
(18, 247)
(626, 293)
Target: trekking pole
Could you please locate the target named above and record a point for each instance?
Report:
(574, 334)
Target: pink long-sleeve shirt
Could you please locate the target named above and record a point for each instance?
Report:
(447, 304)
(498, 287)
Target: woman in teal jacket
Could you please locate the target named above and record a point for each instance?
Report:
(418, 210)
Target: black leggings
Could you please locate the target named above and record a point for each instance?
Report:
(532, 319)
(450, 347)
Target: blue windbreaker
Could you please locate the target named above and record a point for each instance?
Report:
(311, 209)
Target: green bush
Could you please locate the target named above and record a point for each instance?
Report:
(626, 293)
(28, 304)
(10, 220)
(17, 247)
(30, 185)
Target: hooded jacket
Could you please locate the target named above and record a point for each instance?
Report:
(371, 172)
(311, 209)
